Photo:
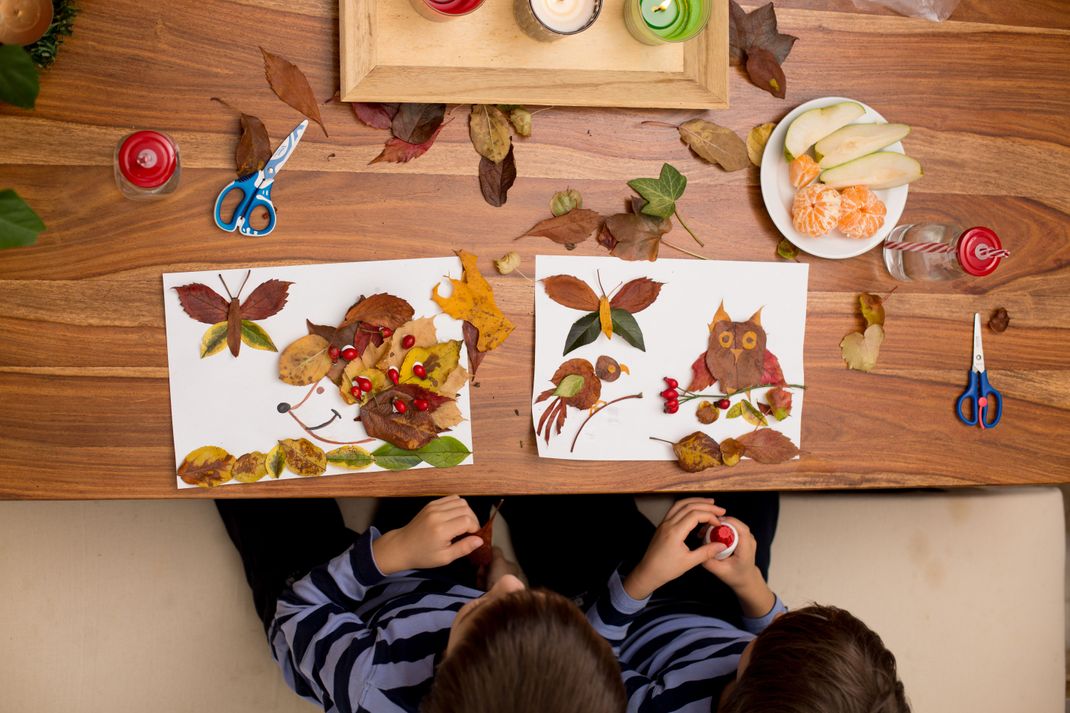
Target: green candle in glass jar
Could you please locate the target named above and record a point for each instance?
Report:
(654, 22)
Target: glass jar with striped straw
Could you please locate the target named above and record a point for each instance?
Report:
(941, 251)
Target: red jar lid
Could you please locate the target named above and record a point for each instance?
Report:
(148, 158)
(975, 248)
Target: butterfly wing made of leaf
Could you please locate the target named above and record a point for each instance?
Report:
(202, 303)
(625, 325)
(570, 292)
(266, 300)
(214, 339)
(583, 331)
(636, 295)
(256, 337)
(473, 300)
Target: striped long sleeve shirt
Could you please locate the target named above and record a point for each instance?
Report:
(353, 640)
(674, 656)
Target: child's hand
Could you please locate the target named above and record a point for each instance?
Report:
(668, 556)
(428, 540)
(500, 565)
(741, 574)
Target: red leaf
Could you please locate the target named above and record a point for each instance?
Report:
(267, 299)
(768, 446)
(398, 151)
(417, 123)
(636, 295)
(290, 84)
(377, 116)
(701, 378)
(202, 303)
(771, 372)
(495, 179)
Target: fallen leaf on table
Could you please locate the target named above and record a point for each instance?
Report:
(375, 115)
(207, 466)
(303, 457)
(254, 146)
(444, 452)
(697, 452)
(571, 228)
(19, 82)
(768, 446)
(417, 123)
(787, 251)
(473, 300)
(662, 192)
(381, 310)
(489, 130)
(779, 400)
(471, 339)
(571, 292)
(633, 236)
(564, 201)
(860, 351)
(757, 29)
(495, 179)
(520, 118)
(250, 467)
(290, 84)
(756, 140)
(397, 151)
(872, 308)
(707, 413)
(765, 72)
(731, 451)
(999, 321)
(19, 225)
(305, 360)
(715, 144)
(350, 457)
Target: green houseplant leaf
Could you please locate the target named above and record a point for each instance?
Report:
(19, 225)
(18, 77)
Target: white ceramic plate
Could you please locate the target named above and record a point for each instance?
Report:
(778, 193)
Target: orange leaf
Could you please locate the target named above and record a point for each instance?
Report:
(571, 292)
(290, 84)
(473, 300)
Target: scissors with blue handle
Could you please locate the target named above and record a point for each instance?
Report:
(980, 400)
(256, 190)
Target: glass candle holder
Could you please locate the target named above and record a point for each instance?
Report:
(654, 22)
(549, 20)
(147, 165)
(442, 10)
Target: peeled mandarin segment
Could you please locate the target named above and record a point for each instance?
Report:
(862, 212)
(802, 171)
(816, 210)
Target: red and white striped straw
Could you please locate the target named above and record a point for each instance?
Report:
(920, 247)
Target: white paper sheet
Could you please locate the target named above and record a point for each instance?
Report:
(675, 332)
(233, 403)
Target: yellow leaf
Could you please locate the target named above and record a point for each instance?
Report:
(605, 317)
(697, 452)
(275, 462)
(303, 457)
(214, 339)
(473, 301)
(441, 362)
(447, 415)
(731, 451)
(352, 372)
(207, 466)
(860, 351)
(422, 330)
(756, 141)
(350, 457)
(305, 361)
(250, 468)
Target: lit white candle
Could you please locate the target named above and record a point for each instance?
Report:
(549, 20)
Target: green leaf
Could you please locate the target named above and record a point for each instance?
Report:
(625, 325)
(255, 336)
(351, 457)
(214, 339)
(390, 457)
(736, 411)
(584, 331)
(444, 452)
(569, 386)
(752, 415)
(18, 77)
(19, 225)
(660, 193)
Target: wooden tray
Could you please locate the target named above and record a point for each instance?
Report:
(390, 53)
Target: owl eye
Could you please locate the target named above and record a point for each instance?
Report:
(726, 339)
(750, 340)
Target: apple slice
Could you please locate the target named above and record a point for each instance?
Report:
(856, 140)
(883, 169)
(814, 125)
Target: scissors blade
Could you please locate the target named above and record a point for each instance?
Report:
(284, 151)
(978, 349)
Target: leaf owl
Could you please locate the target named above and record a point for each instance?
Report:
(735, 356)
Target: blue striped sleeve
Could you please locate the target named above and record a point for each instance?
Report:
(757, 624)
(329, 648)
(614, 611)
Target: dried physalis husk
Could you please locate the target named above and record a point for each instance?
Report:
(564, 201)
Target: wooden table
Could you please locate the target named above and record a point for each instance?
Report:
(83, 379)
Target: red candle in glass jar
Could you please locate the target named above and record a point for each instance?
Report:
(440, 10)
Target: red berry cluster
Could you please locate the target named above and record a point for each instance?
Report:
(673, 392)
(363, 385)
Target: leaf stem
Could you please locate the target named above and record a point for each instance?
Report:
(665, 124)
(595, 413)
(667, 244)
(655, 438)
(679, 218)
(690, 395)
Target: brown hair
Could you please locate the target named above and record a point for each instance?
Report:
(818, 659)
(528, 651)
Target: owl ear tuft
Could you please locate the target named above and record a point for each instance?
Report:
(757, 317)
(720, 316)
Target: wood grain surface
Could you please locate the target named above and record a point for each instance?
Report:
(83, 383)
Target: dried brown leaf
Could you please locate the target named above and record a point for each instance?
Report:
(768, 446)
(999, 321)
(707, 412)
(267, 299)
(872, 308)
(860, 351)
(570, 292)
(731, 451)
(607, 368)
(254, 146)
(633, 236)
(471, 339)
(757, 29)
(495, 179)
(697, 452)
(202, 303)
(636, 295)
(765, 72)
(569, 229)
(591, 390)
(303, 457)
(417, 123)
(290, 84)
(410, 430)
(381, 310)
(715, 144)
(489, 130)
(305, 361)
(375, 115)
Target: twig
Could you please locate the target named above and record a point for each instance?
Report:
(679, 218)
(665, 124)
(592, 415)
(667, 244)
(655, 438)
(690, 395)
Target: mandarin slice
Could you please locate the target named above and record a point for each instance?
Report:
(861, 212)
(802, 171)
(815, 210)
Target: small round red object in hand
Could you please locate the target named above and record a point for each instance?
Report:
(726, 535)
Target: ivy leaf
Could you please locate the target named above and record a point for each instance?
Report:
(495, 179)
(765, 72)
(489, 130)
(751, 414)
(290, 84)
(390, 457)
(715, 144)
(625, 325)
(416, 123)
(397, 151)
(768, 446)
(375, 115)
(350, 457)
(860, 351)
(19, 225)
(755, 30)
(697, 452)
(18, 77)
(872, 308)
(756, 141)
(584, 331)
(786, 250)
(207, 466)
(444, 452)
(571, 228)
(999, 321)
(662, 192)
(569, 386)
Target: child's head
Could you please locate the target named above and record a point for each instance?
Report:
(818, 659)
(526, 652)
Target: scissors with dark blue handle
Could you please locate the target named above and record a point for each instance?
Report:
(980, 404)
(256, 190)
